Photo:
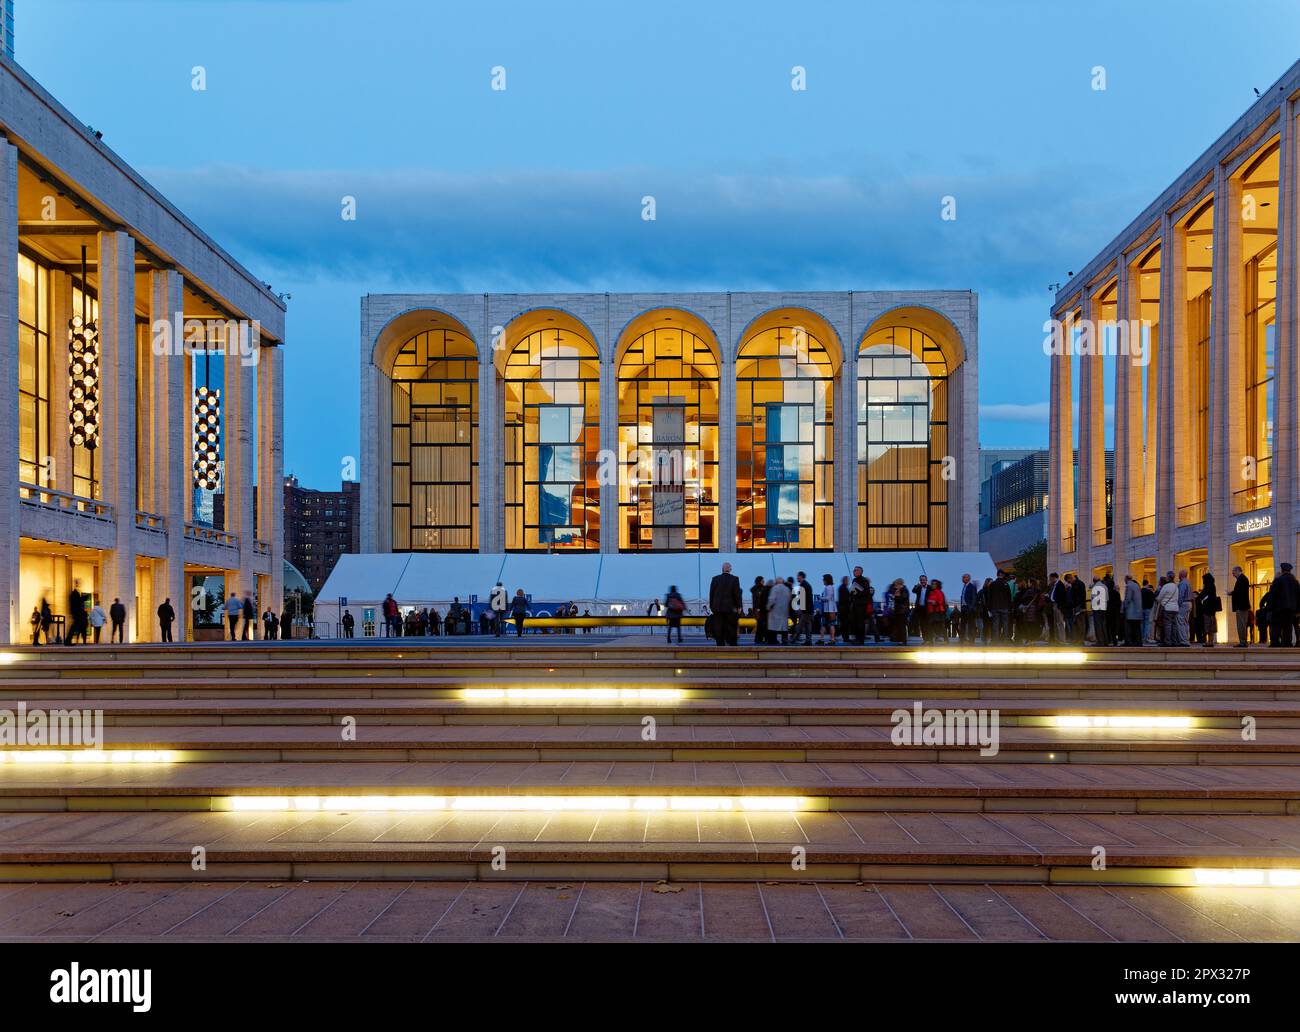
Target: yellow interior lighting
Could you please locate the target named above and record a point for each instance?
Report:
(553, 694)
(535, 803)
(1124, 720)
(108, 756)
(1002, 657)
(1273, 877)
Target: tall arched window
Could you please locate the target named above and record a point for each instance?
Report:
(785, 415)
(668, 442)
(435, 443)
(552, 437)
(902, 441)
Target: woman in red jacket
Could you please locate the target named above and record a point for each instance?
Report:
(936, 607)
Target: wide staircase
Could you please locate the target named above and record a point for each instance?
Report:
(621, 761)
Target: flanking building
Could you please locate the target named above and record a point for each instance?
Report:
(1178, 342)
(140, 371)
(694, 422)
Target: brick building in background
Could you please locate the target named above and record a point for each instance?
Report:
(319, 526)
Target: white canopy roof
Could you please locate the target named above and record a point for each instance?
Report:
(426, 578)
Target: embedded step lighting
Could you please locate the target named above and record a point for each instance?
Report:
(1273, 877)
(550, 694)
(1000, 657)
(535, 803)
(1131, 721)
(102, 756)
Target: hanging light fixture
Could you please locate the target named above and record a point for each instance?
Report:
(83, 373)
(207, 430)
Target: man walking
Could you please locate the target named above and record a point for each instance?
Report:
(725, 603)
(233, 610)
(1241, 607)
(117, 616)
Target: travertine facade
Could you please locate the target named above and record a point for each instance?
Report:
(117, 520)
(498, 324)
(1204, 430)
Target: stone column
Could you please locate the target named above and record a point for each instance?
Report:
(1091, 397)
(1286, 427)
(1171, 439)
(963, 420)
(1128, 472)
(117, 393)
(845, 443)
(270, 473)
(238, 480)
(60, 315)
(727, 437)
(10, 630)
(1060, 449)
(172, 475)
(491, 454)
(1227, 436)
(609, 514)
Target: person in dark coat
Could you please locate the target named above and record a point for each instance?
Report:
(1241, 607)
(725, 603)
(519, 611)
(1283, 603)
(1208, 602)
(166, 616)
(898, 615)
(117, 616)
(674, 610)
(860, 599)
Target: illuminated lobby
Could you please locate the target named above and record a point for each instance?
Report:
(140, 375)
(692, 424)
(1182, 356)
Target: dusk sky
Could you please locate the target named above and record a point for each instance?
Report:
(538, 187)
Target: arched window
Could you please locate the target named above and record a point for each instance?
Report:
(552, 438)
(435, 443)
(785, 413)
(668, 442)
(902, 441)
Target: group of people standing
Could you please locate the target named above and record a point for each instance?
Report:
(792, 610)
(86, 618)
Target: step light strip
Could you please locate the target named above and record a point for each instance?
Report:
(1124, 720)
(535, 803)
(113, 757)
(1273, 877)
(571, 694)
(982, 657)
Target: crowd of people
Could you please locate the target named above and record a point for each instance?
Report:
(1001, 610)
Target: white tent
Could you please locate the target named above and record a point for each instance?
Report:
(622, 582)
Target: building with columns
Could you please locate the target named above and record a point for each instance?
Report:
(1178, 344)
(707, 422)
(140, 369)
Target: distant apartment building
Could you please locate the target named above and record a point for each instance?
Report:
(319, 526)
(1014, 503)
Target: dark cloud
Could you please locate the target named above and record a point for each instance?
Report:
(546, 230)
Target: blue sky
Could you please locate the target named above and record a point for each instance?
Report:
(538, 187)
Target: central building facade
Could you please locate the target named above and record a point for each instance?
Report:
(722, 422)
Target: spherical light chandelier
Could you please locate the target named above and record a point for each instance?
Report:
(83, 374)
(207, 438)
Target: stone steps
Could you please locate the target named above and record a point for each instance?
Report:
(802, 743)
(673, 847)
(756, 756)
